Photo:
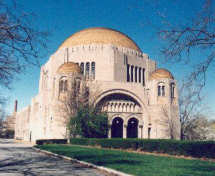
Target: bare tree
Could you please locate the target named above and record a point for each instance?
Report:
(79, 113)
(71, 101)
(2, 117)
(184, 39)
(197, 128)
(20, 41)
(169, 121)
(193, 113)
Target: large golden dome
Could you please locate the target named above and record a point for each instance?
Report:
(69, 67)
(100, 35)
(160, 74)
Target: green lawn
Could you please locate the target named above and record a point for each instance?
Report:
(136, 164)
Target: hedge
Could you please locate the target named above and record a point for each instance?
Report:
(51, 141)
(173, 147)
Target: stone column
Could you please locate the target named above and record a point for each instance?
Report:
(124, 131)
(129, 73)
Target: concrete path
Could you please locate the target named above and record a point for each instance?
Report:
(20, 160)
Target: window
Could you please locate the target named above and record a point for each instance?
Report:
(93, 68)
(139, 75)
(149, 133)
(77, 84)
(161, 89)
(143, 77)
(128, 73)
(82, 68)
(132, 70)
(63, 85)
(135, 74)
(87, 70)
(172, 90)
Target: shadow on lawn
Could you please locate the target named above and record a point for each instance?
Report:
(96, 158)
(149, 165)
(200, 169)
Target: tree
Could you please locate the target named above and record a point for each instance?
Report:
(180, 42)
(89, 122)
(197, 128)
(2, 116)
(193, 113)
(184, 39)
(171, 123)
(20, 41)
(1, 125)
(80, 116)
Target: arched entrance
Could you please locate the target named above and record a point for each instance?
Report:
(117, 128)
(132, 128)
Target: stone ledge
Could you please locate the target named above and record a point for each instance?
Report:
(108, 170)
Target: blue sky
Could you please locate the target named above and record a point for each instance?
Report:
(138, 19)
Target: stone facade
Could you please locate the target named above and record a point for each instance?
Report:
(140, 100)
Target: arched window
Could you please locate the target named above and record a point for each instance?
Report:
(82, 67)
(93, 68)
(87, 70)
(78, 84)
(161, 89)
(63, 85)
(172, 90)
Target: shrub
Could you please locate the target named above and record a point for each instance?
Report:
(173, 147)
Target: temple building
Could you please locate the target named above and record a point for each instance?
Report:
(140, 99)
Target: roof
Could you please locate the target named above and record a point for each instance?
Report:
(160, 74)
(99, 35)
(69, 67)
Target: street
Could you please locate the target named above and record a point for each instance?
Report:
(18, 159)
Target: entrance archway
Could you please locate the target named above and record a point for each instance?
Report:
(117, 128)
(132, 128)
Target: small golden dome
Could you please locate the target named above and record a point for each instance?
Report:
(161, 73)
(100, 35)
(69, 67)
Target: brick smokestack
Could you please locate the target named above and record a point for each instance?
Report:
(15, 106)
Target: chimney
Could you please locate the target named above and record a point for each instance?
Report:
(15, 106)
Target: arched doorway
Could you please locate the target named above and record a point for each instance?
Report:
(132, 128)
(117, 128)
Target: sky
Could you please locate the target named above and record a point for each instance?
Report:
(138, 19)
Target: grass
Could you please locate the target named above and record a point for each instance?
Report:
(134, 163)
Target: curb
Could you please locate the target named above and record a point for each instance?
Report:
(90, 165)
